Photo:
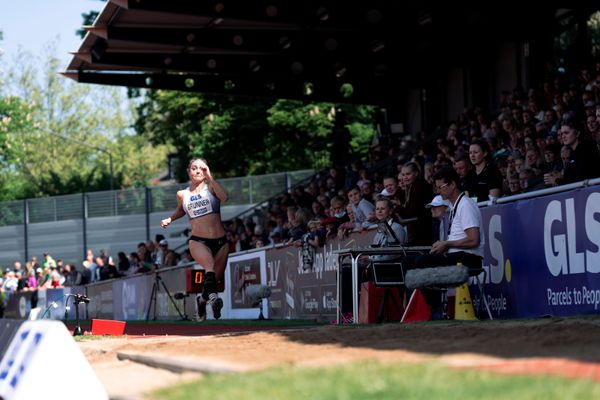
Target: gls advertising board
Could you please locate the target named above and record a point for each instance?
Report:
(543, 255)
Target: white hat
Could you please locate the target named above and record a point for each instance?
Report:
(439, 201)
(163, 242)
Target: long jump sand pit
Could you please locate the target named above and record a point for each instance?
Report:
(148, 358)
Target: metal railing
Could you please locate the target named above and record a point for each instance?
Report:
(245, 190)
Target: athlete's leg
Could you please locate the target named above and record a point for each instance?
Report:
(219, 268)
(221, 262)
(203, 256)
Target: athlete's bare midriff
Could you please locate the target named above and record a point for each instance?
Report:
(208, 226)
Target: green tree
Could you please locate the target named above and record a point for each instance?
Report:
(227, 132)
(55, 129)
(241, 136)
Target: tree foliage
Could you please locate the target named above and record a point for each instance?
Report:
(242, 136)
(56, 135)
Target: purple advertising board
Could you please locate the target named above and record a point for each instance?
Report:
(543, 255)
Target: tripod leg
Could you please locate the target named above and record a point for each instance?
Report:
(152, 298)
(172, 300)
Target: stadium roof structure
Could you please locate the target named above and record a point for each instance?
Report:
(317, 50)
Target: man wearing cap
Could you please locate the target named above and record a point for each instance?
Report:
(439, 212)
(163, 249)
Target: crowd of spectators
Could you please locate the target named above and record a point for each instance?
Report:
(50, 273)
(537, 138)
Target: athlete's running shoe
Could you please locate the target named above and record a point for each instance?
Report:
(217, 305)
(201, 303)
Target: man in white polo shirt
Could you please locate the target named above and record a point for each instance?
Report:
(465, 237)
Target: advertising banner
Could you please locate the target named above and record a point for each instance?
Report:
(243, 271)
(298, 292)
(543, 255)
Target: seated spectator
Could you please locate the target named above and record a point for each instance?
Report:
(462, 166)
(299, 227)
(90, 273)
(186, 256)
(384, 214)
(514, 185)
(368, 192)
(585, 159)
(465, 240)
(161, 253)
(346, 228)
(11, 283)
(440, 215)
(362, 209)
(551, 159)
(31, 279)
(314, 238)
(529, 181)
(171, 259)
(338, 211)
(72, 276)
(123, 264)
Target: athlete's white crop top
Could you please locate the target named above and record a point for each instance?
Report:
(200, 204)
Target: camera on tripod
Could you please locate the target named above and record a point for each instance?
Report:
(80, 298)
(180, 295)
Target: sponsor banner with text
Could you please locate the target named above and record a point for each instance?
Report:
(543, 255)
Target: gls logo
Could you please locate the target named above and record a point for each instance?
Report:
(560, 249)
(497, 270)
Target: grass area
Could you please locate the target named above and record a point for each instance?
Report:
(371, 380)
(89, 338)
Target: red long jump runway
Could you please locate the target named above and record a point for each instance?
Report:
(179, 329)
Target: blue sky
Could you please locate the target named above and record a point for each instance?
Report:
(33, 24)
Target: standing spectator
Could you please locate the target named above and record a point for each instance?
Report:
(416, 195)
(49, 262)
(484, 180)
